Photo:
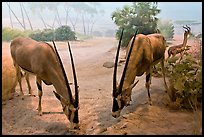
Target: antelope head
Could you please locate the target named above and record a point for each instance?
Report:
(71, 106)
(121, 96)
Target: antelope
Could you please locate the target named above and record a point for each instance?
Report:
(42, 60)
(144, 51)
(181, 47)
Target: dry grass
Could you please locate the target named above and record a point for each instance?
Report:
(9, 80)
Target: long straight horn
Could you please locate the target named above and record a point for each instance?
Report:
(126, 64)
(64, 74)
(116, 65)
(75, 78)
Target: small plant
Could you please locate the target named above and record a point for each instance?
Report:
(185, 79)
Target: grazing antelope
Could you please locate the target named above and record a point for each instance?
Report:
(42, 60)
(144, 51)
(181, 47)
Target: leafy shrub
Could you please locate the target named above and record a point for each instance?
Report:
(45, 35)
(140, 15)
(64, 33)
(8, 34)
(185, 77)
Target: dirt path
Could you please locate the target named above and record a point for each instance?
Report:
(95, 81)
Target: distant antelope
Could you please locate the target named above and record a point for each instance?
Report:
(181, 47)
(144, 51)
(42, 60)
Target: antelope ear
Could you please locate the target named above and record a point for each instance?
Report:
(133, 85)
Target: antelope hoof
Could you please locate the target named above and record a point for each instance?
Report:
(150, 102)
(40, 113)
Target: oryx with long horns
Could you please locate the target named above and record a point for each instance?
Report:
(42, 60)
(144, 51)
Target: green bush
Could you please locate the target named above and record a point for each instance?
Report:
(140, 16)
(185, 79)
(45, 35)
(9, 34)
(64, 33)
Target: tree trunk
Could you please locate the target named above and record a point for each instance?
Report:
(73, 23)
(15, 15)
(83, 24)
(22, 16)
(67, 12)
(28, 18)
(10, 17)
(43, 20)
(58, 17)
(92, 26)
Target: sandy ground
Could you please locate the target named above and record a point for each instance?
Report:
(95, 81)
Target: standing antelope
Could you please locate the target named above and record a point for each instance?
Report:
(40, 59)
(144, 52)
(181, 47)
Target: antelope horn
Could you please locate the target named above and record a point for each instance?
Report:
(64, 74)
(126, 64)
(188, 28)
(115, 67)
(76, 103)
(185, 27)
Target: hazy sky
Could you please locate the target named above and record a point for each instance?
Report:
(169, 10)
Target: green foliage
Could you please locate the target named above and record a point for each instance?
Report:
(8, 34)
(64, 33)
(45, 35)
(141, 16)
(166, 29)
(185, 77)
